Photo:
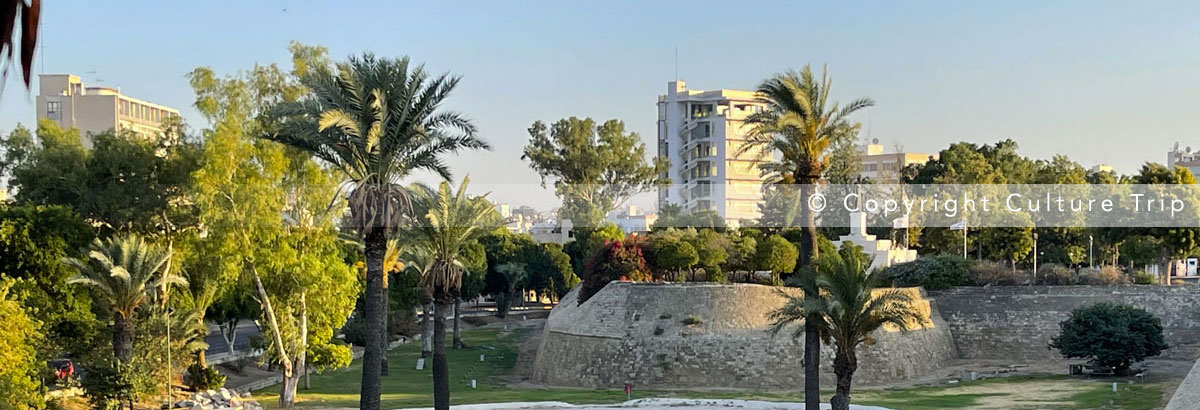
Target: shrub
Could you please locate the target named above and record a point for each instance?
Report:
(1110, 335)
(203, 378)
(995, 273)
(1055, 274)
(931, 272)
(1143, 278)
(616, 260)
(692, 320)
(1107, 276)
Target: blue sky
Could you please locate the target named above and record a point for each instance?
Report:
(1101, 82)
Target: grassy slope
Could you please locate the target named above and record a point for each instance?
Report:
(407, 387)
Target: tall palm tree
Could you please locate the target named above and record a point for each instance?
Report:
(377, 120)
(800, 123)
(124, 272)
(852, 305)
(449, 220)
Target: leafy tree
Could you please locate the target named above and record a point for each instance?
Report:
(1110, 335)
(668, 256)
(798, 123)
(34, 241)
(673, 216)
(776, 254)
(845, 159)
(19, 364)
(711, 252)
(594, 168)
(376, 120)
(451, 220)
(269, 214)
(853, 306)
(503, 247)
(125, 183)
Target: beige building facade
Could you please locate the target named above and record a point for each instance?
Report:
(884, 167)
(64, 99)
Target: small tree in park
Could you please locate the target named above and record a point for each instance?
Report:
(1110, 335)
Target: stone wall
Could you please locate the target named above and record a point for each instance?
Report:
(636, 333)
(1017, 322)
(1187, 395)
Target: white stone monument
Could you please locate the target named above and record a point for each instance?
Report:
(882, 253)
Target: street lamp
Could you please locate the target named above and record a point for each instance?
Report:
(1091, 265)
(1035, 254)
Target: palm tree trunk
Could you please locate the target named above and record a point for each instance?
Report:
(122, 338)
(844, 366)
(458, 344)
(441, 369)
(427, 331)
(812, 337)
(376, 246)
(386, 333)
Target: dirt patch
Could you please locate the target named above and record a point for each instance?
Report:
(1033, 395)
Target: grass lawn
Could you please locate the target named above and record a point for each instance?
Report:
(407, 387)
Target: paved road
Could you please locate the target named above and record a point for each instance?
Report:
(216, 343)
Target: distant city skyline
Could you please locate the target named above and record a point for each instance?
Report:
(1111, 83)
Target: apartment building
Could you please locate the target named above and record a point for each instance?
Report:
(700, 132)
(884, 167)
(64, 99)
(1184, 158)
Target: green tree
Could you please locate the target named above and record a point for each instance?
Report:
(800, 124)
(34, 243)
(376, 120)
(1110, 335)
(668, 256)
(450, 220)
(777, 255)
(853, 306)
(594, 168)
(19, 365)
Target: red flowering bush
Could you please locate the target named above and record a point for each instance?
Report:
(616, 260)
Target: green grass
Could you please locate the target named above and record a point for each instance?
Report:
(407, 387)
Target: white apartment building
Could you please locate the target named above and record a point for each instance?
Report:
(93, 110)
(631, 220)
(700, 132)
(1184, 158)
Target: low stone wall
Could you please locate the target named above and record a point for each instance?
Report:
(1017, 322)
(636, 333)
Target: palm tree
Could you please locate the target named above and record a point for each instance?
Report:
(800, 124)
(377, 120)
(124, 273)
(853, 305)
(449, 221)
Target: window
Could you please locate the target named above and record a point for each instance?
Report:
(54, 109)
(872, 167)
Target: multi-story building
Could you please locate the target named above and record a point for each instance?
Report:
(64, 99)
(1184, 158)
(884, 168)
(701, 132)
(631, 220)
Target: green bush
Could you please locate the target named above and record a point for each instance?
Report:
(203, 378)
(1143, 278)
(1110, 335)
(1106, 276)
(931, 272)
(692, 320)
